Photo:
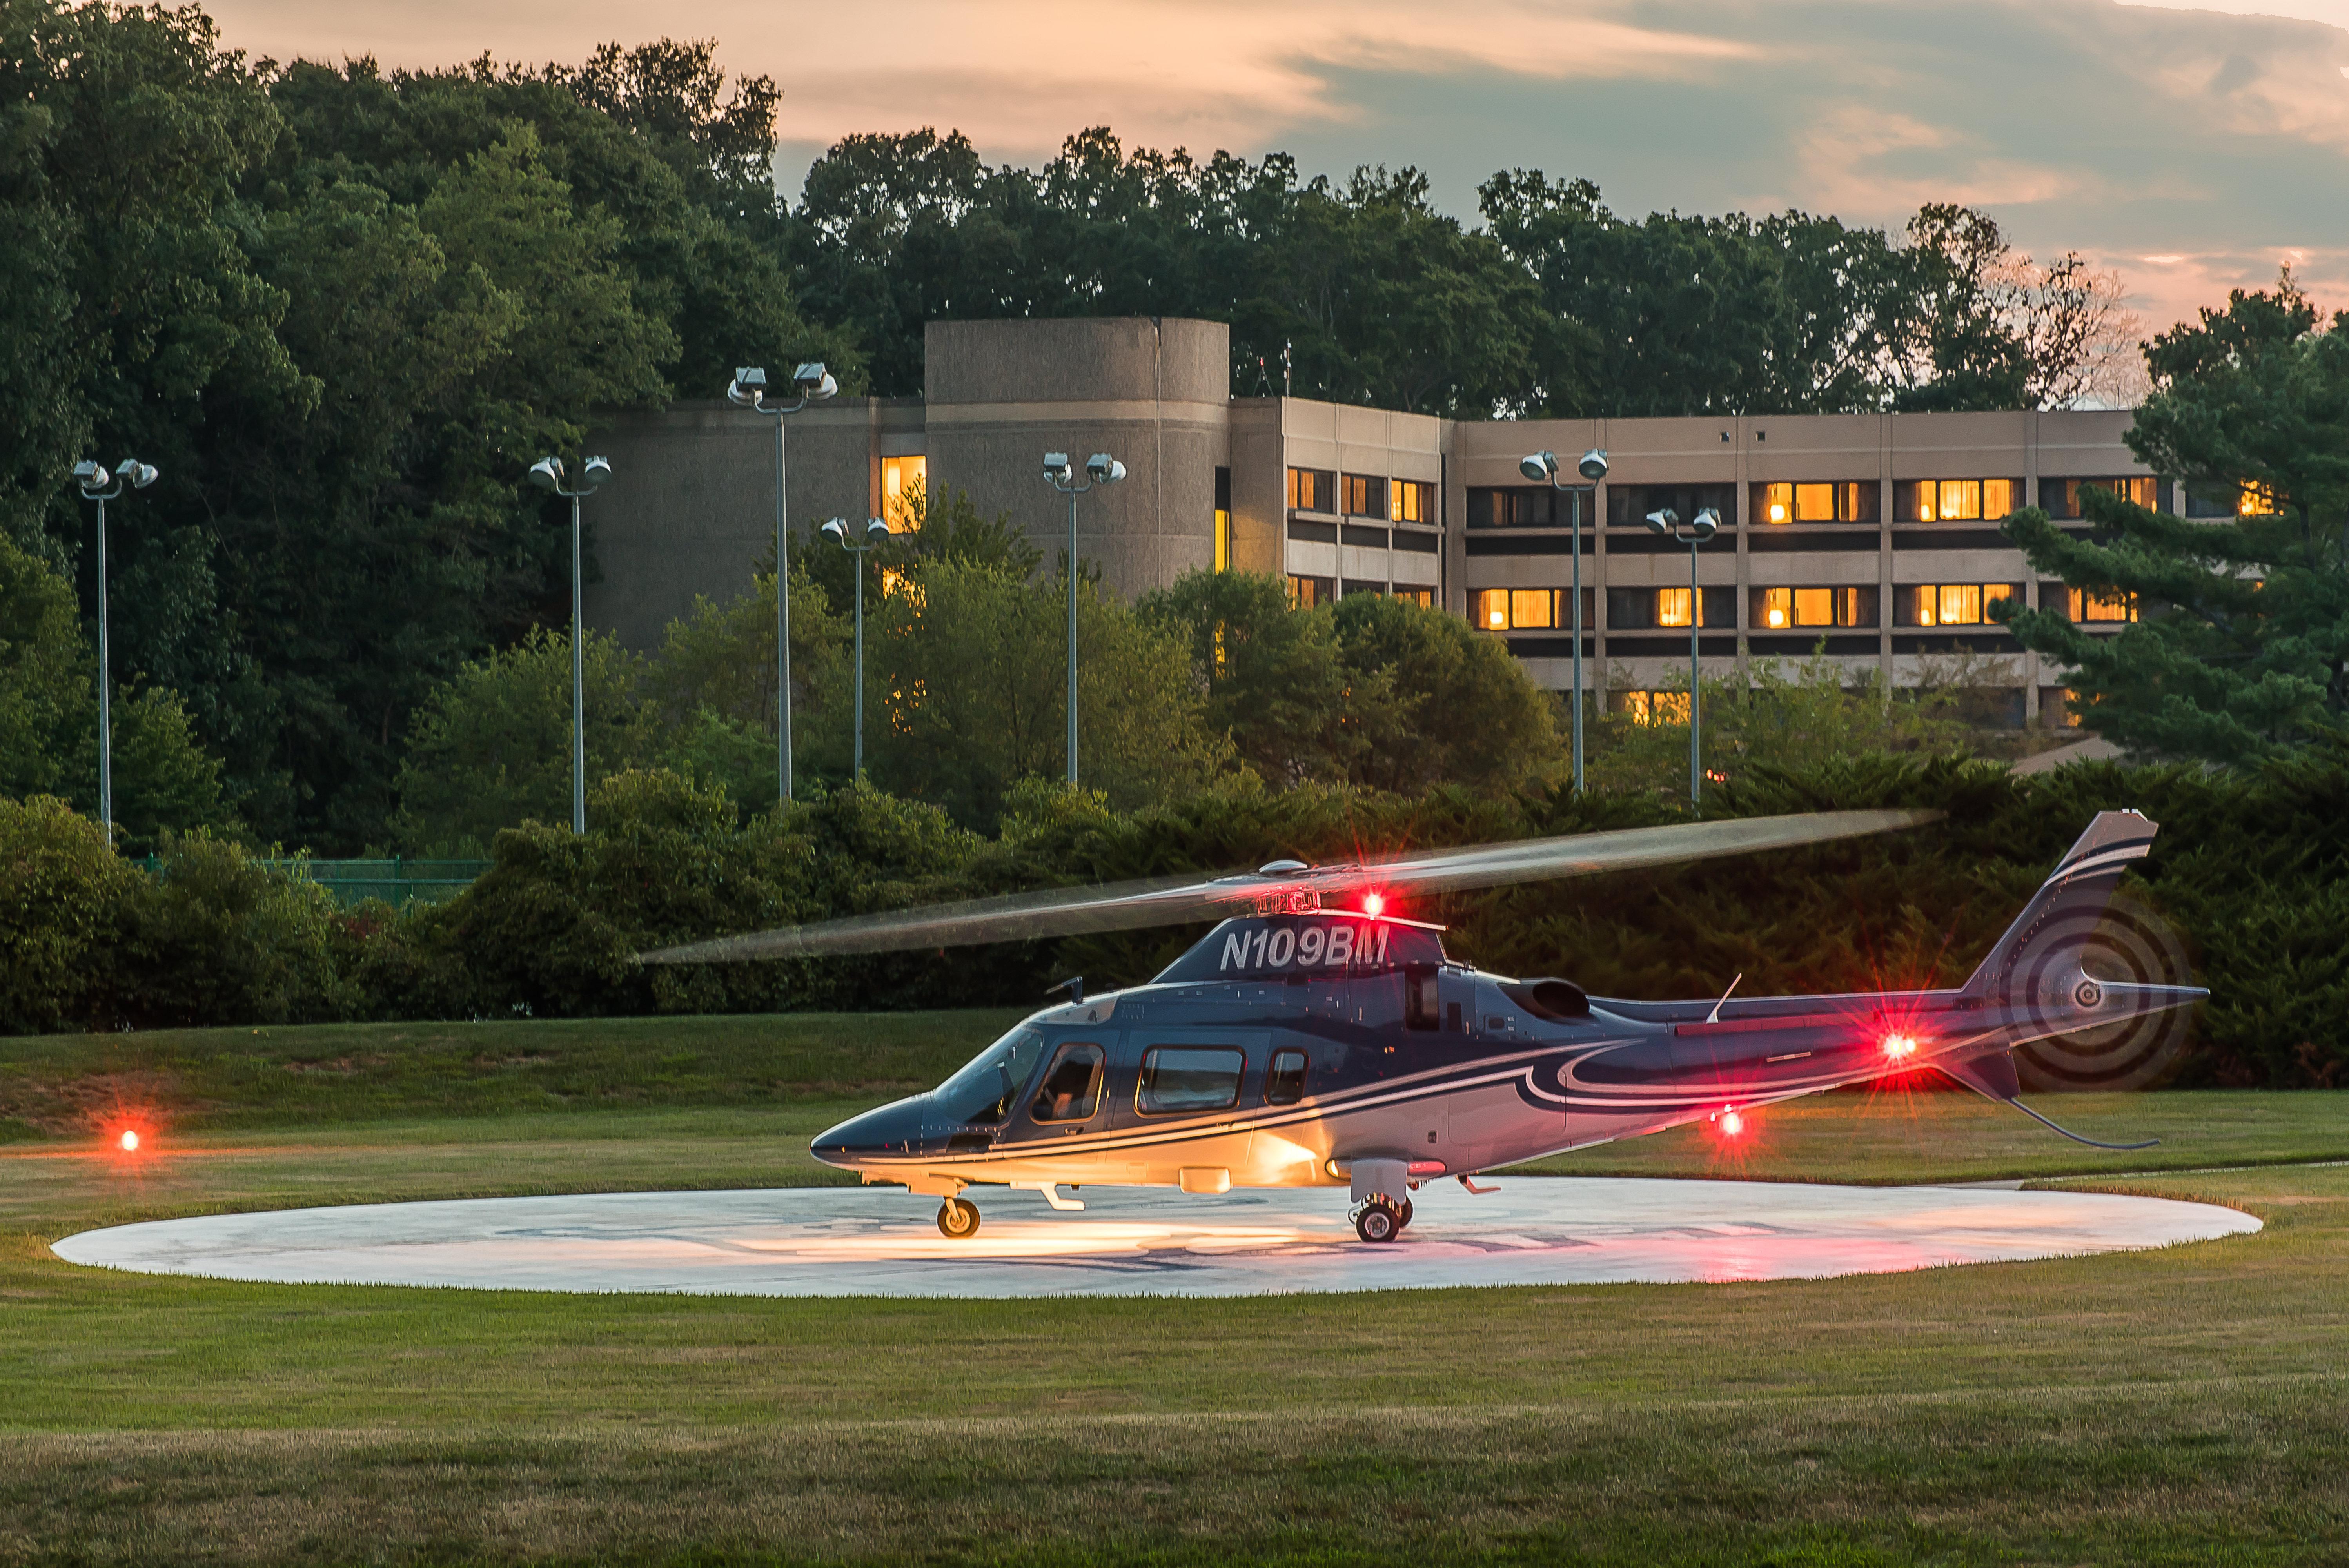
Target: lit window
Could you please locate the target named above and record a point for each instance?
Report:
(1304, 593)
(2097, 605)
(1365, 496)
(1958, 500)
(1313, 490)
(1422, 597)
(1649, 707)
(1777, 609)
(2256, 501)
(1504, 609)
(903, 481)
(1671, 606)
(1222, 540)
(1820, 502)
(2062, 497)
(1955, 604)
(1410, 501)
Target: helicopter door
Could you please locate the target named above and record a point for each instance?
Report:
(1070, 1095)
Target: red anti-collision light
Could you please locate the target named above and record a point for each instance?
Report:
(129, 1141)
(1900, 1047)
(1732, 1124)
(1374, 904)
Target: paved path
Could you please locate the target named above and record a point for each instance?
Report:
(1129, 1242)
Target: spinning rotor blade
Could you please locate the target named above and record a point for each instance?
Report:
(1188, 899)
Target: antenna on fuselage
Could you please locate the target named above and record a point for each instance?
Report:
(1074, 985)
(1714, 1017)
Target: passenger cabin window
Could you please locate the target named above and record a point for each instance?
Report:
(1179, 1078)
(1284, 1082)
(1072, 1089)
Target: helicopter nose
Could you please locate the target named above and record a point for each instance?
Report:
(894, 1128)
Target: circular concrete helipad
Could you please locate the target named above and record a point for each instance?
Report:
(882, 1242)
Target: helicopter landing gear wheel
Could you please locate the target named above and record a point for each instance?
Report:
(958, 1219)
(1378, 1220)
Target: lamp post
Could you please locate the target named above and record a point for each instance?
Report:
(98, 485)
(1542, 469)
(875, 533)
(749, 390)
(1101, 468)
(1708, 523)
(547, 475)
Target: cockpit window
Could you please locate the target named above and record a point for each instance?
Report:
(984, 1091)
(1072, 1089)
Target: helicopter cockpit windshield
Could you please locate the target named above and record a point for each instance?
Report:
(982, 1093)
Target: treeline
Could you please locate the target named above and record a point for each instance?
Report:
(2247, 869)
(1360, 290)
(343, 309)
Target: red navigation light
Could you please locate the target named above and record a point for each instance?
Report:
(1900, 1047)
(1374, 904)
(129, 1141)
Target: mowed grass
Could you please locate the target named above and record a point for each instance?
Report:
(2190, 1405)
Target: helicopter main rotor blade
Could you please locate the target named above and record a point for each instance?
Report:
(1190, 899)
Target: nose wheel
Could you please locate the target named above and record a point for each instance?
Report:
(958, 1219)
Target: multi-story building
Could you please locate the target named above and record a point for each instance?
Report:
(1872, 536)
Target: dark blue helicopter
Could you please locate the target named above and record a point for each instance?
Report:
(1301, 1044)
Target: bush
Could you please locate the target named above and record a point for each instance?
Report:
(217, 937)
(61, 888)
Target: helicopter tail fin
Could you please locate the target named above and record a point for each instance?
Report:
(2067, 905)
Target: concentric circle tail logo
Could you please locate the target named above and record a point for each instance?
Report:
(2073, 969)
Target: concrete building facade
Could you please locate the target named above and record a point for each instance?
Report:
(1873, 536)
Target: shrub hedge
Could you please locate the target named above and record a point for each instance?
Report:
(2247, 869)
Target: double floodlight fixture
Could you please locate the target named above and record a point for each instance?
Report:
(1542, 467)
(837, 532)
(1667, 522)
(594, 474)
(1101, 468)
(98, 483)
(811, 383)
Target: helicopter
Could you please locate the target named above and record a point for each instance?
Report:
(1315, 1038)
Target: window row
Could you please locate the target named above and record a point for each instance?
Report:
(1175, 1080)
(1532, 506)
(1843, 501)
(1304, 593)
(1529, 609)
(1788, 608)
(1361, 495)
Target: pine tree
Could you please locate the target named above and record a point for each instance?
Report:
(2240, 645)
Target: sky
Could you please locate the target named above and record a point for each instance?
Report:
(2190, 150)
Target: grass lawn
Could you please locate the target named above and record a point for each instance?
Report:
(2190, 1405)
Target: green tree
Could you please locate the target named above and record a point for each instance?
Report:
(966, 693)
(714, 684)
(2241, 647)
(492, 748)
(1778, 717)
(1270, 671)
(163, 778)
(1435, 701)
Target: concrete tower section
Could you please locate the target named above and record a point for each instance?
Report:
(1153, 392)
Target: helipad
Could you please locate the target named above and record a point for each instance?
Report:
(1128, 1242)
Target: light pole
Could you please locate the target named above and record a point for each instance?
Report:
(749, 390)
(1102, 470)
(875, 533)
(547, 475)
(1708, 523)
(1542, 469)
(101, 487)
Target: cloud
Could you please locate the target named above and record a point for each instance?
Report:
(2214, 136)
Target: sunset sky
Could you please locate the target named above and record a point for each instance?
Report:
(2191, 150)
